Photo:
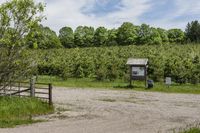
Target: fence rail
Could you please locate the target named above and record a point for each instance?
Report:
(25, 89)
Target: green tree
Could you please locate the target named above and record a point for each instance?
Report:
(163, 35)
(176, 36)
(17, 19)
(66, 37)
(100, 36)
(127, 34)
(192, 32)
(112, 37)
(155, 37)
(144, 34)
(84, 36)
(44, 38)
(148, 35)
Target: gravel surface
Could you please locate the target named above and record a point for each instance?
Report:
(116, 111)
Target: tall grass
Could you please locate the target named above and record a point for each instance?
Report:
(16, 111)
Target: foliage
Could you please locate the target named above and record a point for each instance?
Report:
(83, 36)
(127, 34)
(148, 35)
(44, 38)
(66, 37)
(109, 63)
(100, 36)
(164, 35)
(17, 19)
(112, 37)
(193, 32)
(16, 111)
(176, 36)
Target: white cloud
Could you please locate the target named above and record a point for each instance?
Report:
(61, 13)
(187, 7)
(68, 13)
(184, 10)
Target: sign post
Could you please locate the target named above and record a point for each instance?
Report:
(138, 69)
(168, 81)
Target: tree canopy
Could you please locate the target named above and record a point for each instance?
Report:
(193, 32)
(44, 38)
(66, 37)
(176, 36)
(17, 19)
(128, 34)
(83, 36)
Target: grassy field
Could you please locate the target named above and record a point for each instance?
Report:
(17, 111)
(119, 84)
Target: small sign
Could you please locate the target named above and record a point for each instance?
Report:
(168, 81)
(138, 71)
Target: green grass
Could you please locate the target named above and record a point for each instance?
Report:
(81, 82)
(192, 130)
(119, 84)
(17, 111)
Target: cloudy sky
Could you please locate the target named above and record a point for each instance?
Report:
(112, 13)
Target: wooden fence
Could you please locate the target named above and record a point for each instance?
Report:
(25, 89)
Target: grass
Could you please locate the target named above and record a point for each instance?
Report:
(192, 130)
(119, 84)
(17, 111)
(81, 82)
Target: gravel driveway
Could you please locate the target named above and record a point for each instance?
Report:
(116, 111)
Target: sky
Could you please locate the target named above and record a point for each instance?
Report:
(112, 13)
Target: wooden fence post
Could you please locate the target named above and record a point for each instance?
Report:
(19, 87)
(32, 89)
(50, 94)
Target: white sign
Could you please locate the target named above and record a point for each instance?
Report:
(168, 81)
(138, 71)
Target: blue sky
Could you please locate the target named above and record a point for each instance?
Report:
(112, 13)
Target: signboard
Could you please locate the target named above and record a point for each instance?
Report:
(138, 71)
(168, 81)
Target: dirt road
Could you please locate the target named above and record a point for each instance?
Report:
(112, 111)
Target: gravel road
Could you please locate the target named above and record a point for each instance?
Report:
(116, 111)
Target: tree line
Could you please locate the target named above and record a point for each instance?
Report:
(126, 34)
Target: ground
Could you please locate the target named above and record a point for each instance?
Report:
(116, 111)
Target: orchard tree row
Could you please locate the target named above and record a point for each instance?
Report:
(126, 34)
(181, 62)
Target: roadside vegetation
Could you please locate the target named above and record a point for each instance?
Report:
(17, 111)
(119, 85)
(18, 18)
(192, 130)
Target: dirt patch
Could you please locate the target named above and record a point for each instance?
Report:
(112, 111)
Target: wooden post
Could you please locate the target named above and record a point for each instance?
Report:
(50, 94)
(130, 76)
(146, 76)
(19, 86)
(32, 89)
